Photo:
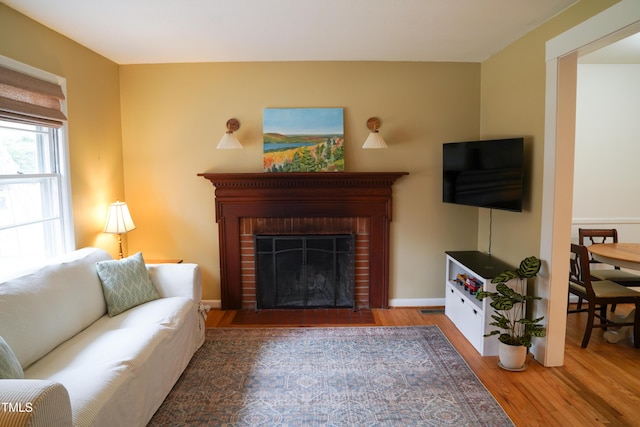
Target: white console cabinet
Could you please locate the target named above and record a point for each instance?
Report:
(472, 317)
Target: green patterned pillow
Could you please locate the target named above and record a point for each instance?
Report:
(126, 283)
(10, 368)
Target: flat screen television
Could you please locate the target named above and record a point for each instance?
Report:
(486, 174)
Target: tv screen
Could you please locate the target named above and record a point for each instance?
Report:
(487, 174)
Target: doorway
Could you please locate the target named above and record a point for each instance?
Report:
(562, 52)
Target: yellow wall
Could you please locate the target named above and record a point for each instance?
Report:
(93, 109)
(150, 129)
(513, 88)
(174, 115)
(513, 103)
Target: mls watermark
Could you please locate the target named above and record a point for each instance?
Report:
(16, 407)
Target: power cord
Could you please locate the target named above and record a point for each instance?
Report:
(490, 227)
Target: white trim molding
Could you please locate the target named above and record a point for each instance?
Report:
(578, 221)
(213, 303)
(416, 302)
(610, 25)
(68, 230)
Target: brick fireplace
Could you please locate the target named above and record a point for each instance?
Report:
(358, 203)
(251, 227)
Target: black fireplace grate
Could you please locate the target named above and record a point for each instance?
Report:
(305, 271)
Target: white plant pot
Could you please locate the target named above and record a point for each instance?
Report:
(512, 357)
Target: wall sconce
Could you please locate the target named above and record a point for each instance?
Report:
(119, 222)
(229, 140)
(374, 140)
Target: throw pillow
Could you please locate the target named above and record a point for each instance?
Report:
(126, 283)
(10, 368)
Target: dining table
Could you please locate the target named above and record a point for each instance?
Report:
(623, 255)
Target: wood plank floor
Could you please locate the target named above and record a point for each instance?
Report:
(597, 386)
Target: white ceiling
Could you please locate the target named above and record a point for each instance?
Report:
(165, 31)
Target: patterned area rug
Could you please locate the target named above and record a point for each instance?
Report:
(359, 376)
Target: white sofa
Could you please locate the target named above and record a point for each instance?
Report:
(81, 366)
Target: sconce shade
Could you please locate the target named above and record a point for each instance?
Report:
(118, 219)
(229, 140)
(374, 140)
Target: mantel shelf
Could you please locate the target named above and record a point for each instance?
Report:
(303, 179)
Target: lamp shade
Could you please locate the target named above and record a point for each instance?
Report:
(374, 140)
(118, 219)
(229, 141)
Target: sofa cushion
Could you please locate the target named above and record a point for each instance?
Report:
(97, 368)
(50, 304)
(120, 369)
(126, 283)
(10, 368)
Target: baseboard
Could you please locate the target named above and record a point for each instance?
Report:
(417, 302)
(398, 302)
(213, 303)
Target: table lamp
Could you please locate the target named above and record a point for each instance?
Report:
(119, 222)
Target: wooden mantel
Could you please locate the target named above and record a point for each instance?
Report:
(298, 195)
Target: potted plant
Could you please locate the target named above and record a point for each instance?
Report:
(514, 331)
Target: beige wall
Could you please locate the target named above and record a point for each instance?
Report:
(174, 115)
(513, 88)
(93, 107)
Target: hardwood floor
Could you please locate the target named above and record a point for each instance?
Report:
(597, 386)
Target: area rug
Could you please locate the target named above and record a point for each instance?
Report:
(348, 376)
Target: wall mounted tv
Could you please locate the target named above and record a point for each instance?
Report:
(487, 174)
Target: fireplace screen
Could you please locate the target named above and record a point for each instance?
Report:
(308, 271)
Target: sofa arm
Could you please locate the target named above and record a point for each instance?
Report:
(36, 403)
(173, 280)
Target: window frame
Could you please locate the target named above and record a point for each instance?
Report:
(66, 209)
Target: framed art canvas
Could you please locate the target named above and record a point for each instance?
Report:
(303, 140)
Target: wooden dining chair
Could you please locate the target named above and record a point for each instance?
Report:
(599, 294)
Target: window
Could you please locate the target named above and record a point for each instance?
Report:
(35, 208)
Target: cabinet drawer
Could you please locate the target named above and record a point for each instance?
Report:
(467, 317)
(471, 325)
(451, 303)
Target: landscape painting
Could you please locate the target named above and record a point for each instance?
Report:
(303, 140)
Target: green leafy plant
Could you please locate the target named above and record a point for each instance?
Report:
(509, 305)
